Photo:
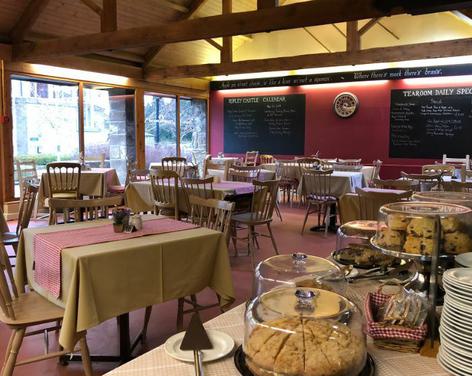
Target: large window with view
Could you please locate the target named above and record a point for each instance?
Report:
(45, 122)
(193, 129)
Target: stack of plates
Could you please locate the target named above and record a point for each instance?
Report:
(464, 260)
(455, 353)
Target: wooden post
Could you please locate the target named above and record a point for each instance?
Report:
(262, 4)
(140, 124)
(7, 191)
(353, 39)
(108, 19)
(81, 119)
(177, 123)
(227, 51)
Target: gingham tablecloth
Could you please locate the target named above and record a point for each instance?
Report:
(388, 363)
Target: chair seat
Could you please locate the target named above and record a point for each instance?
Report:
(9, 238)
(31, 309)
(116, 188)
(247, 218)
(322, 199)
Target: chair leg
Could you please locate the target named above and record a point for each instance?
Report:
(273, 239)
(233, 238)
(147, 316)
(327, 218)
(307, 212)
(251, 250)
(180, 315)
(84, 351)
(277, 211)
(10, 358)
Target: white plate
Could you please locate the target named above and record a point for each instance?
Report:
(464, 315)
(465, 260)
(461, 275)
(454, 338)
(456, 360)
(458, 305)
(457, 297)
(457, 290)
(448, 316)
(222, 343)
(448, 367)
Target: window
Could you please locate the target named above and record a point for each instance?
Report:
(160, 130)
(45, 121)
(109, 127)
(193, 129)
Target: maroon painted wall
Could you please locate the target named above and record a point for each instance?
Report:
(365, 135)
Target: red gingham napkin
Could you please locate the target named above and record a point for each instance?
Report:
(47, 247)
(378, 330)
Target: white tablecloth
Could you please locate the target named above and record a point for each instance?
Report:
(342, 182)
(222, 160)
(157, 362)
(263, 174)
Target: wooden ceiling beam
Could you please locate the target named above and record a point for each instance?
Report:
(29, 16)
(467, 13)
(226, 55)
(369, 25)
(353, 38)
(93, 6)
(214, 44)
(262, 4)
(457, 47)
(296, 15)
(154, 51)
(5, 52)
(108, 18)
(175, 6)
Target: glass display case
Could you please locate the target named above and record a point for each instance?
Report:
(303, 331)
(458, 198)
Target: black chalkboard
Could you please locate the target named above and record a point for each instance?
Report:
(427, 123)
(273, 124)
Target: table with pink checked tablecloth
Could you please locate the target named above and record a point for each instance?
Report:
(103, 280)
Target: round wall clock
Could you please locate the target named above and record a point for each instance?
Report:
(345, 104)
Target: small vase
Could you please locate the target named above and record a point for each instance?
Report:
(118, 227)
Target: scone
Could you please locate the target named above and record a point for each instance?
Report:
(457, 242)
(450, 224)
(422, 227)
(397, 222)
(412, 245)
(391, 238)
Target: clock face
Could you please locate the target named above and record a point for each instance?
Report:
(345, 104)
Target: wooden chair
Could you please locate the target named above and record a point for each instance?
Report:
(165, 189)
(27, 203)
(370, 202)
(319, 196)
(405, 185)
(96, 159)
(266, 158)
(457, 161)
(22, 311)
(246, 176)
(350, 162)
(307, 163)
(375, 172)
(199, 187)
(63, 179)
(83, 210)
(457, 186)
(288, 180)
(209, 165)
(26, 170)
(427, 182)
(262, 207)
(443, 169)
(251, 158)
(177, 164)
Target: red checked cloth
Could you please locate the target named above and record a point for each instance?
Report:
(377, 330)
(48, 246)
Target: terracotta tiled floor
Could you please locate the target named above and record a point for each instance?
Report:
(103, 339)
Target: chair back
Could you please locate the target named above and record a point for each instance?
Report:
(27, 202)
(3, 222)
(397, 184)
(177, 164)
(307, 163)
(83, 210)
(211, 213)
(8, 291)
(464, 161)
(287, 170)
(350, 162)
(165, 189)
(251, 158)
(266, 158)
(96, 159)
(246, 176)
(135, 174)
(317, 183)
(443, 169)
(426, 181)
(370, 202)
(264, 199)
(63, 178)
(457, 186)
(209, 165)
(375, 172)
(199, 187)
(26, 170)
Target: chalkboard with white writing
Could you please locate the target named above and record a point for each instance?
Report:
(273, 124)
(427, 123)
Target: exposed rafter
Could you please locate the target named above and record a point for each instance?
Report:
(369, 25)
(154, 51)
(214, 44)
(93, 6)
(456, 47)
(175, 6)
(280, 18)
(108, 18)
(353, 38)
(29, 16)
(227, 50)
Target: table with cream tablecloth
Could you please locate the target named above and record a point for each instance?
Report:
(264, 175)
(388, 363)
(94, 182)
(139, 197)
(102, 281)
(342, 182)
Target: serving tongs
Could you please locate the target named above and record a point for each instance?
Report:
(383, 273)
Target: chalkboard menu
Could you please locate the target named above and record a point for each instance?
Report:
(427, 123)
(272, 124)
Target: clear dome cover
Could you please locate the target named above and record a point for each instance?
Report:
(458, 198)
(410, 229)
(304, 331)
(298, 269)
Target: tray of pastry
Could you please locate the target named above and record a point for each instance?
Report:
(363, 256)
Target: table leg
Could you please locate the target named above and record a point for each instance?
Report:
(332, 222)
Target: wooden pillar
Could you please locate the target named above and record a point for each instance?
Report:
(81, 119)
(177, 123)
(227, 50)
(7, 192)
(140, 124)
(353, 39)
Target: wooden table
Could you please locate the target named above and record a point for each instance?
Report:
(106, 280)
(388, 363)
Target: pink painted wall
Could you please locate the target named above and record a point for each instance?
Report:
(365, 135)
